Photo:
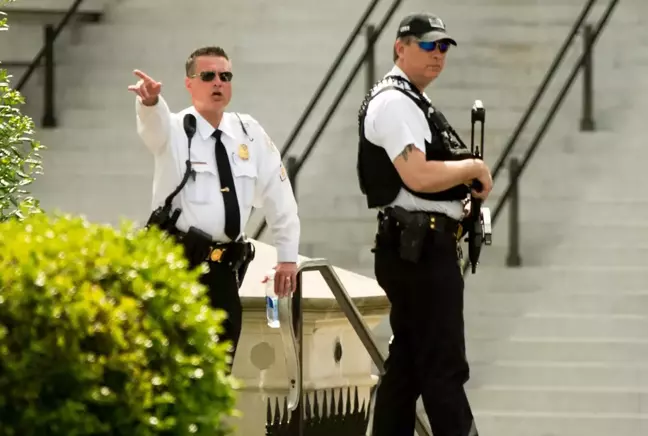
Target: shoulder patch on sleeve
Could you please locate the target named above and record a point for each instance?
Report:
(283, 175)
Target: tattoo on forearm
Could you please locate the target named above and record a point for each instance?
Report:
(405, 153)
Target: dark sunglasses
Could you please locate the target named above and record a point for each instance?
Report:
(432, 45)
(208, 76)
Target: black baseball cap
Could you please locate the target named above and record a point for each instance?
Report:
(425, 27)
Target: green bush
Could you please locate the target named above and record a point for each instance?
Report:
(19, 158)
(105, 332)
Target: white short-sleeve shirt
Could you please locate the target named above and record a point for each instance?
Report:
(394, 121)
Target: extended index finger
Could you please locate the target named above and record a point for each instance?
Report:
(142, 75)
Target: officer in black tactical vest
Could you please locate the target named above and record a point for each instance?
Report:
(417, 174)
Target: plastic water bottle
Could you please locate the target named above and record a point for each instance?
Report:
(272, 301)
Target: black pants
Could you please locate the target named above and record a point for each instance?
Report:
(427, 352)
(224, 294)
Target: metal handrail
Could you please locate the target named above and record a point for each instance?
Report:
(555, 106)
(345, 87)
(324, 267)
(551, 72)
(550, 115)
(34, 63)
(338, 99)
(328, 77)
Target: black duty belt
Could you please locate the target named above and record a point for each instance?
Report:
(437, 222)
(230, 253)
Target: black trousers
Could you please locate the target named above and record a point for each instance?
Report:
(223, 293)
(427, 352)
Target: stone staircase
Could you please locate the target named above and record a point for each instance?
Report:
(96, 165)
(558, 347)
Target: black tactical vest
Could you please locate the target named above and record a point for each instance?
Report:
(379, 180)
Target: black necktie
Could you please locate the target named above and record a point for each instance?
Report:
(232, 214)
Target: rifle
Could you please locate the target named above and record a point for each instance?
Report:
(479, 228)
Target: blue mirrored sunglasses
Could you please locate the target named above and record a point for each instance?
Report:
(432, 45)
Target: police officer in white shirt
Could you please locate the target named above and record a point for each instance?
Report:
(234, 166)
(416, 173)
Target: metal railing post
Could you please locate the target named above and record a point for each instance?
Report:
(49, 119)
(297, 415)
(371, 55)
(587, 121)
(513, 258)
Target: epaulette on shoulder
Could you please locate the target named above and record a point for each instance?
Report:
(247, 123)
(246, 118)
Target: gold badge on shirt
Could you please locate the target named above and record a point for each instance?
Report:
(243, 152)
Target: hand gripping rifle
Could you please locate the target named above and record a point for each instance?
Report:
(479, 223)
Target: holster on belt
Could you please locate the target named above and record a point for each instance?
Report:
(199, 247)
(410, 229)
(246, 258)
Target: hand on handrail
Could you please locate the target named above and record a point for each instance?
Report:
(285, 280)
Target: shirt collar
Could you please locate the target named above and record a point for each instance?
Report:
(396, 71)
(205, 129)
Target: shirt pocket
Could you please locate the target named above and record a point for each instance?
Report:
(243, 168)
(245, 178)
(203, 184)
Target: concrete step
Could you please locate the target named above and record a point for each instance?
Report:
(545, 302)
(256, 10)
(136, 161)
(23, 41)
(105, 198)
(558, 278)
(561, 348)
(557, 399)
(579, 375)
(538, 323)
(533, 255)
(55, 5)
(53, 11)
(91, 140)
(501, 422)
(535, 14)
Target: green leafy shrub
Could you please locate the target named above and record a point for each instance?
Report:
(19, 158)
(105, 332)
